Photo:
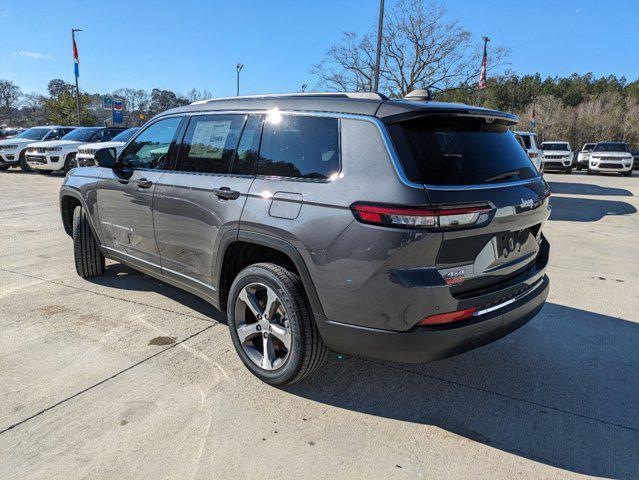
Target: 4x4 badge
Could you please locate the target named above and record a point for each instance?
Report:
(454, 278)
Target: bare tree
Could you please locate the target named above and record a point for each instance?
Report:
(136, 100)
(420, 48)
(9, 98)
(195, 95)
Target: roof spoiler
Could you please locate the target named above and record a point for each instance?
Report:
(489, 115)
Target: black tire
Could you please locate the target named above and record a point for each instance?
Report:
(4, 167)
(569, 171)
(24, 166)
(89, 261)
(44, 172)
(589, 172)
(69, 163)
(579, 167)
(628, 173)
(307, 351)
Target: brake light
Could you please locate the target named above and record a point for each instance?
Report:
(448, 317)
(421, 217)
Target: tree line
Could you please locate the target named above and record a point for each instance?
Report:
(58, 106)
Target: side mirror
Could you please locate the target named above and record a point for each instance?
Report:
(106, 157)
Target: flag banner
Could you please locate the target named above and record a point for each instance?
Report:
(482, 77)
(76, 59)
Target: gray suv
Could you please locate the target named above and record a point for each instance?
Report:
(392, 229)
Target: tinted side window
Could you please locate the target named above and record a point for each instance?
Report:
(299, 147)
(100, 136)
(57, 134)
(151, 148)
(245, 162)
(209, 143)
(109, 133)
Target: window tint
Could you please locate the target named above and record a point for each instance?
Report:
(245, 162)
(611, 147)
(57, 134)
(526, 139)
(100, 136)
(299, 147)
(34, 134)
(151, 148)
(459, 151)
(555, 146)
(209, 143)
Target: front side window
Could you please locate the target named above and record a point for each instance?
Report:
(150, 149)
(209, 143)
(299, 147)
(459, 151)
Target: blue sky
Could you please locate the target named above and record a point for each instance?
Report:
(178, 45)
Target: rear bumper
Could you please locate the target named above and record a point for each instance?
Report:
(424, 344)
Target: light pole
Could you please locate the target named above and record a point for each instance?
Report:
(238, 68)
(380, 27)
(76, 62)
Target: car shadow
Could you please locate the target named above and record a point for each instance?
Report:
(587, 189)
(572, 209)
(561, 390)
(123, 277)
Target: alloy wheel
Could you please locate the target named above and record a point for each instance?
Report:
(262, 327)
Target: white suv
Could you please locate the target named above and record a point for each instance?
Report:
(611, 157)
(12, 150)
(47, 157)
(532, 148)
(86, 153)
(583, 157)
(557, 156)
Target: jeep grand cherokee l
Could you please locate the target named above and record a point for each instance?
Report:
(611, 157)
(13, 151)
(392, 229)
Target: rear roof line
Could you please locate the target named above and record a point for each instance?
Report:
(274, 96)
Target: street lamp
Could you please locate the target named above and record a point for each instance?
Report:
(238, 68)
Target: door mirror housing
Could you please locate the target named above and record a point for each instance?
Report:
(106, 157)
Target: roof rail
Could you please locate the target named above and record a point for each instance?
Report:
(360, 95)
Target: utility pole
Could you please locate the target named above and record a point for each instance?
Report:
(238, 68)
(76, 62)
(380, 27)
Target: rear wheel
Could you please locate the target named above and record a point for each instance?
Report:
(271, 325)
(89, 261)
(24, 166)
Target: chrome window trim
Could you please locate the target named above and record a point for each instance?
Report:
(390, 149)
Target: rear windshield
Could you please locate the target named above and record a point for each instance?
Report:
(526, 139)
(459, 151)
(555, 146)
(611, 147)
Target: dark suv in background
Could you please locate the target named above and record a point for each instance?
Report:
(392, 229)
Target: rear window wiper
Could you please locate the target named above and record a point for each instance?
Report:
(501, 176)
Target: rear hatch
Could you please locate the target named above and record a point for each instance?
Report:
(474, 162)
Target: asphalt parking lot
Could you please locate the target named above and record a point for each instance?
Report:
(126, 377)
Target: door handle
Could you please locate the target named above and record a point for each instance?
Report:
(226, 193)
(144, 183)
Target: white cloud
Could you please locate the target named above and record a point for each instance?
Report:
(578, 11)
(32, 55)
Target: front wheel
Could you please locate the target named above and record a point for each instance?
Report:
(24, 166)
(89, 261)
(569, 171)
(70, 162)
(628, 173)
(271, 325)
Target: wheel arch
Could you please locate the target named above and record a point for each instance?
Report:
(253, 247)
(69, 200)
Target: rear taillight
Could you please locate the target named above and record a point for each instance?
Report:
(448, 317)
(421, 217)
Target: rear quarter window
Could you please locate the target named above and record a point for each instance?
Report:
(297, 146)
(459, 151)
